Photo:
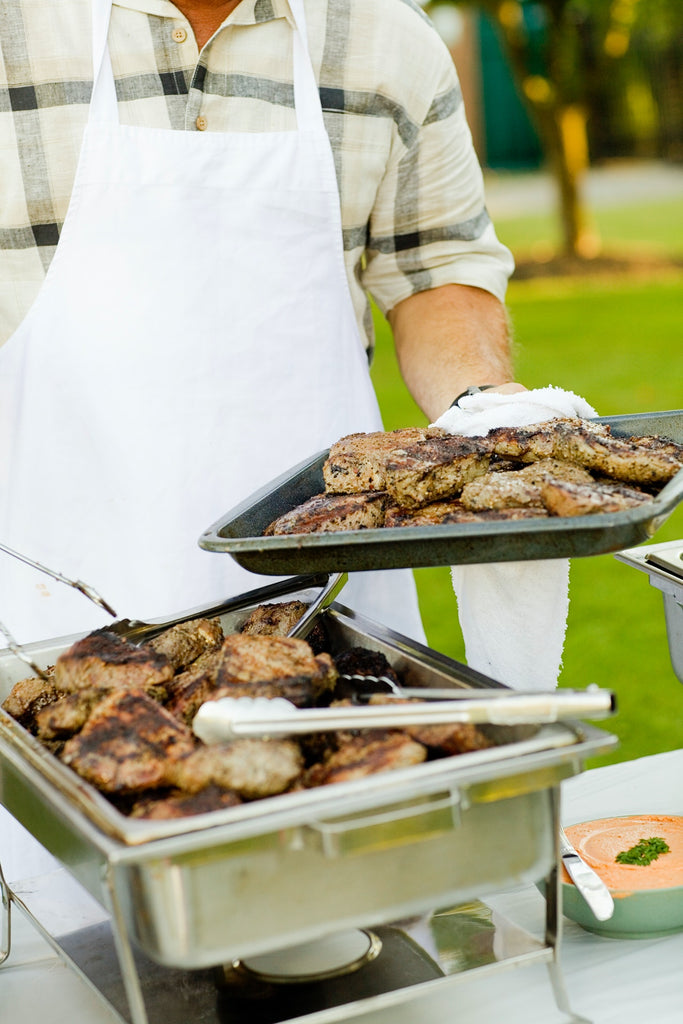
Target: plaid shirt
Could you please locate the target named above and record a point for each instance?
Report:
(411, 191)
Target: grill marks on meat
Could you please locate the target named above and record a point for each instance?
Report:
(434, 469)
(569, 499)
(358, 462)
(450, 738)
(252, 665)
(128, 743)
(648, 461)
(182, 805)
(186, 641)
(330, 513)
(285, 663)
(189, 689)
(274, 619)
(141, 753)
(64, 717)
(27, 699)
(277, 619)
(520, 488)
(429, 478)
(252, 768)
(366, 753)
(440, 513)
(106, 661)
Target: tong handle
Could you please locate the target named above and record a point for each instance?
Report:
(84, 588)
(21, 654)
(225, 719)
(326, 596)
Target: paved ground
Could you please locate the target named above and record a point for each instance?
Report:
(511, 193)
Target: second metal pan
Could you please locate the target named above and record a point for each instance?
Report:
(239, 532)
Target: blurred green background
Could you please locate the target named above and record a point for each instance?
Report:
(616, 339)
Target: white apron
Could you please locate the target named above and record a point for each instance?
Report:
(194, 338)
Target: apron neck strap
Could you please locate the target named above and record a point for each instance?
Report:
(309, 114)
(103, 100)
(103, 105)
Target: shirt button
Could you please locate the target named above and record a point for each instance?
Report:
(201, 123)
(179, 35)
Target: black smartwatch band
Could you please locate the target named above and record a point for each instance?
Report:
(473, 389)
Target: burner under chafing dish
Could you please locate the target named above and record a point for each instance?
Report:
(393, 960)
(330, 957)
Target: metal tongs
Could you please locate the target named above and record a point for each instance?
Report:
(136, 631)
(84, 588)
(226, 719)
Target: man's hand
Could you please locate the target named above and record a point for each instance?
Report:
(449, 338)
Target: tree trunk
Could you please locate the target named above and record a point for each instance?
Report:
(561, 127)
(563, 135)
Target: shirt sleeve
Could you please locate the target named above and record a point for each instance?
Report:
(430, 226)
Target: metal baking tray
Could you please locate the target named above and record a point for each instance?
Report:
(288, 869)
(239, 532)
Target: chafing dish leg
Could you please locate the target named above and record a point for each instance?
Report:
(6, 918)
(553, 921)
(124, 951)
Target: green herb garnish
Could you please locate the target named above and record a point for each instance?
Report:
(644, 852)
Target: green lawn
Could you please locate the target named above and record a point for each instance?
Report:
(618, 343)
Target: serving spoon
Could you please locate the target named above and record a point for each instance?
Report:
(589, 884)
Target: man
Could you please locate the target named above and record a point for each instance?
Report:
(188, 252)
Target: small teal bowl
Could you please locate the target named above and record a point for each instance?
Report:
(645, 914)
(638, 914)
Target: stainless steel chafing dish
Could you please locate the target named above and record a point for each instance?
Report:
(244, 881)
(663, 563)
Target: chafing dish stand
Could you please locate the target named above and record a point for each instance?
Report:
(433, 950)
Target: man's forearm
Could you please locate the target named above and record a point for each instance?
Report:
(449, 338)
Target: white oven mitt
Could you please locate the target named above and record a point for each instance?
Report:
(513, 615)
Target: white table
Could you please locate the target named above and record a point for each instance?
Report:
(608, 980)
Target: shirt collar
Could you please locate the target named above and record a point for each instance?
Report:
(247, 12)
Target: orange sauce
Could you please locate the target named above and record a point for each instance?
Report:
(598, 843)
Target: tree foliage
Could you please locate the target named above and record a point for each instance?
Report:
(561, 53)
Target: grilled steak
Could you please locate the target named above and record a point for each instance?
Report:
(277, 620)
(189, 689)
(329, 513)
(358, 462)
(180, 805)
(568, 499)
(538, 440)
(28, 697)
(128, 743)
(440, 513)
(67, 716)
(435, 469)
(253, 768)
(519, 488)
(106, 661)
(286, 663)
(139, 750)
(274, 619)
(373, 750)
(646, 461)
(449, 739)
(183, 643)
